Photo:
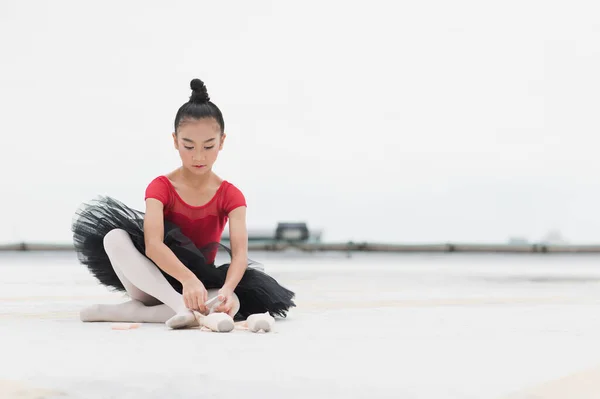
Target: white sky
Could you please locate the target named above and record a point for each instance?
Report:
(418, 121)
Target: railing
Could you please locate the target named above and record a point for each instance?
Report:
(278, 246)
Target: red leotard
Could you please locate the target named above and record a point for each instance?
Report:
(202, 224)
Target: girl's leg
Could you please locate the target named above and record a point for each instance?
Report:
(142, 279)
(132, 311)
(135, 311)
(143, 308)
(129, 265)
(133, 291)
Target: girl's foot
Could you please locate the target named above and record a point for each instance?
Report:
(182, 320)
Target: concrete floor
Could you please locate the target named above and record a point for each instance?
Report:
(370, 326)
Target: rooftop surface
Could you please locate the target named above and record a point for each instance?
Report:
(369, 326)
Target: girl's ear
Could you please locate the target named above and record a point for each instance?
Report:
(223, 136)
(175, 141)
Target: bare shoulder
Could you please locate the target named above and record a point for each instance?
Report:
(173, 176)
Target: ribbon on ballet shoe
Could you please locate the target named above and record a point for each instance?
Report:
(241, 325)
(212, 304)
(198, 315)
(124, 326)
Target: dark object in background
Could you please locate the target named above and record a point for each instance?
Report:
(291, 232)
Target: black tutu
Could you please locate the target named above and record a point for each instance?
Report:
(257, 291)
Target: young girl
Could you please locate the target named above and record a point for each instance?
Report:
(164, 257)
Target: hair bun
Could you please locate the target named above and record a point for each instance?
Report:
(199, 92)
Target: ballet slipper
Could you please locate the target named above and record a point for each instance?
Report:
(182, 320)
(217, 322)
(260, 321)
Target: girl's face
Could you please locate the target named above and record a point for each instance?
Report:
(199, 142)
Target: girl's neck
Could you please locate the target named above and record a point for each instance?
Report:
(195, 181)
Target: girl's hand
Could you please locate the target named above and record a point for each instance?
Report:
(195, 295)
(226, 297)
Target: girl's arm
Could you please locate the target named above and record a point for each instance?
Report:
(155, 247)
(194, 292)
(238, 236)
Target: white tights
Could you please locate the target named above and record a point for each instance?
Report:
(153, 299)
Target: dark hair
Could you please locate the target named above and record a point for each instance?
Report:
(199, 107)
